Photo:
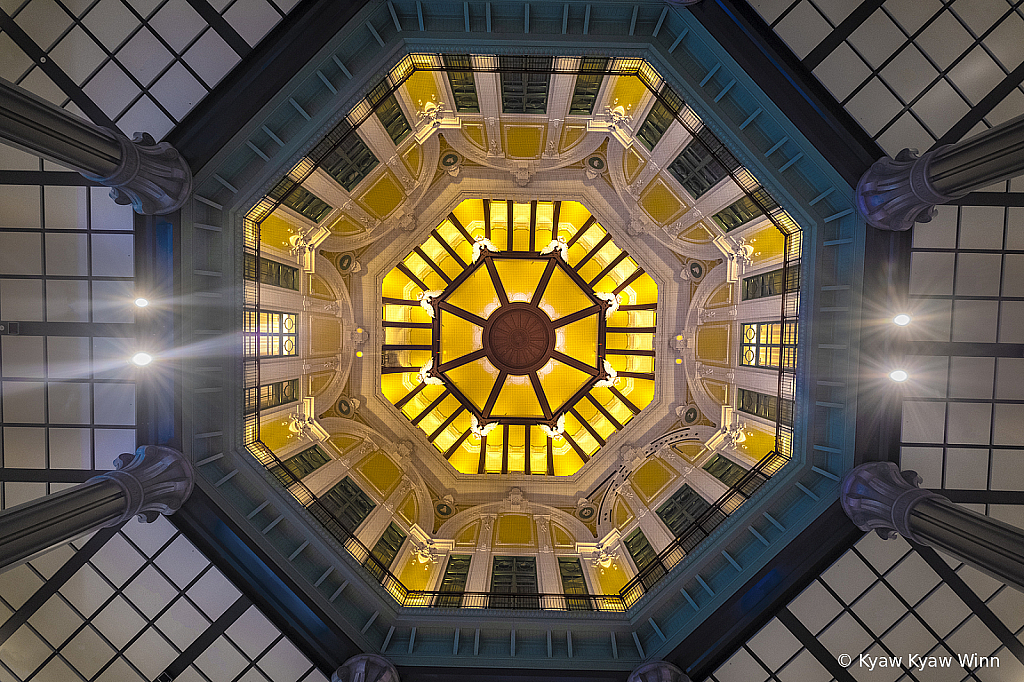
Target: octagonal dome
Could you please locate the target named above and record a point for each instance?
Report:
(545, 330)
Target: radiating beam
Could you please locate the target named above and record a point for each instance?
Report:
(577, 316)
(465, 359)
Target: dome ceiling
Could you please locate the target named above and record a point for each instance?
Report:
(518, 337)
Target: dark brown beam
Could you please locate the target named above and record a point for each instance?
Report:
(504, 452)
(448, 247)
(593, 252)
(387, 300)
(629, 280)
(444, 425)
(458, 362)
(410, 395)
(429, 408)
(459, 312)
(541, 396)
(408, 325)
(487, 218)
(545, 277)
(576, 446)
(460, 228)
(499, 288)
(625, 401)
(579, 233)
(533, 225)
(495, 391)
(577, 316)
(554, 220)
(639, 306)
(509, 218)
(551, 457)
(624, 351)
(608, 268)
(483, 455)
(630, 330)
(407, 346)
(527, 443)
(602, 410)
(457, 444)
(573, 362)
(587, 425)
(433, 266)
(398, 370)
(411, 275)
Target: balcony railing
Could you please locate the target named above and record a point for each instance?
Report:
(630, 593)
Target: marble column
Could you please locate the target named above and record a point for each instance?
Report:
(151, 176)
(366, 668)
(151, 481)
(878, 496)
(895, 193)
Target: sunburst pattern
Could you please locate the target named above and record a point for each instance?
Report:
(522, 337)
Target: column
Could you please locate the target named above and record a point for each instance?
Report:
(657, 671)
(152, 177)
(895, 193)
(373, 526)
(878, 496)
(366, 668)
(480, 564)
(153, 480)
(549, 578)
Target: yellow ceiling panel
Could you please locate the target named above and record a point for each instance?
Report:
(660, 202)
(577, 339)
(560, 382)
(421, 87)
(562, 296)
(458, 337)
(466, 458)
(383, 196)
(524, 141)
(476, 294)
(626, 91)
(519, 277)
(517, 398)
(475, 380)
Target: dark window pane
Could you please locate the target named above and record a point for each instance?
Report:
(306, 203)
(454, 580)
(301, 464)
(348, 504)
(515, 575)
(726, 471)
(696, 169)
(522, 91)
(391, 116)
(460, 77)
(385, 551)
(350, 162)
(681, 510)
(573, 582)
(765, 406)
(584, 94)
(738, 213)
(271, 395)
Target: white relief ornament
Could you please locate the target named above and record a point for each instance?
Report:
(639, 223)
(617, 115)
(480, 244)
(522, 172)
(425, 299)
(611, 299)
(431, 113)
(557, 246)
(406, 221)
(426, 375)
(610, 376)
(479, 430)
(557, 431)
(604, 558)
(451, 163)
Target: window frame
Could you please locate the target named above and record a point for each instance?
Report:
(271, 395)
(341, 499)
(460, 66)
(523, 594)
(587, 87)
(531, 76)
(306, 204)
(697, 169)
(301, 464)
(255, 339)
(683, 516)
(350, 161)
(777, 352)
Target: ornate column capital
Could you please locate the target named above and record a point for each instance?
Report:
(657, 671)
(155, 480)
(895, 193)
(878, 496)
(152, 177)
(366, 668)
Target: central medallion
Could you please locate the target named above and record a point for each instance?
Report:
(519, 338)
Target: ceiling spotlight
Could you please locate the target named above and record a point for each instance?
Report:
(902, 319)
(141, 359)
(141, 302)
(898, 375)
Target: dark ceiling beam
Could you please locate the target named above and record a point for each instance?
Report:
(250, 86)
(738, 28)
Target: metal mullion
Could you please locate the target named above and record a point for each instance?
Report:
(603, 411)
(432, 265)
(583, 228)
(533, 225)
(448, 247)
(526, 469)
(481, 467)
(457, 444)
(430, 408)
(587, 425)
(504, 452)
(509, 223)
(410, 395)
(446, 423)
(462, 230)
(404, 269)
(624, 400)
(551, 457)
(593, 252)
(493, 396)
(625, 351)
(608, 268)
(575, 446)
(554, 220)
(499, 287)
(487, 220)
(629, 280)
